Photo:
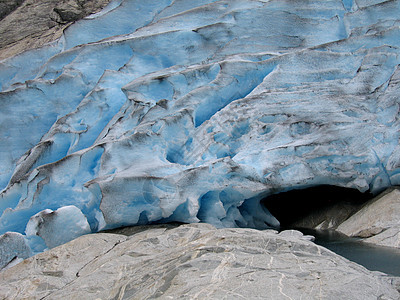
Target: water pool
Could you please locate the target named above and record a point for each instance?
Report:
(374, 258)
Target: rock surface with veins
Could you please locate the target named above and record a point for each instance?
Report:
(193, 261)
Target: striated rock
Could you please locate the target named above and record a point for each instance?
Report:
(7, 6)
(378, 221)
(193, 262)
(30, 24)
(38, 276)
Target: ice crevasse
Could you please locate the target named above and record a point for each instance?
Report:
(193, 111)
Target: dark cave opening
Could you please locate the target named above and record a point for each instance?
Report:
(310, 206)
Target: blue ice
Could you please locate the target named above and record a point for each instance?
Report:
(193, 111)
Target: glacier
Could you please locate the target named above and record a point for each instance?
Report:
(194, 111)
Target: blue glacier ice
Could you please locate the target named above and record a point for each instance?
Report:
(194, 111)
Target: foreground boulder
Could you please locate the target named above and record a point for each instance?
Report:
(193, 261)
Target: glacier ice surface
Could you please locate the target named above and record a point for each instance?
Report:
(48, 224)
(194, 111)
(13, 247)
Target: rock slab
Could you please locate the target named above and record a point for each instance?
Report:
(193, 261)
(31, 24)
(378, 221)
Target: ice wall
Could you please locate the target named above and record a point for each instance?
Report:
(193, 111)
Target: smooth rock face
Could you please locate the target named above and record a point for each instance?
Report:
(193, 262)
(159, 111)
(378, 221)
(327, 218)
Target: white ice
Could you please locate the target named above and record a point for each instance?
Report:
(48, 225)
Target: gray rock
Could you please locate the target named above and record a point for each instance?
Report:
(193, 262)
(69, 11)
(327, 218)
(7, 6)
(43, 274)
(378, 221)
(31, 24)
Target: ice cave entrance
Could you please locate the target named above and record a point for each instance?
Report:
(306, 207)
